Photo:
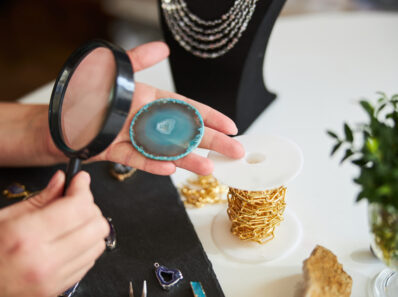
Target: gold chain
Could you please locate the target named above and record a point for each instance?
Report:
(256, 214)
(203, 190)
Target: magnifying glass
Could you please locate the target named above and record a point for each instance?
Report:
(90, 101)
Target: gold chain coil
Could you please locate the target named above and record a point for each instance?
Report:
(256, 214)
(203, 190)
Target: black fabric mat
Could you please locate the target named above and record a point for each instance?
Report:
(152, 226)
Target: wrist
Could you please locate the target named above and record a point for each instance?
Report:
(44, 152)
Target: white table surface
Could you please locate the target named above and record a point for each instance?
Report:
(320, 66)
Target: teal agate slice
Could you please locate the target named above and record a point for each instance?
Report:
(166, 129)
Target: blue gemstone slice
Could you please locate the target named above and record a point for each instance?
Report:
(197, 289)
(166, 129)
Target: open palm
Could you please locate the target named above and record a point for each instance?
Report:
(217, 125)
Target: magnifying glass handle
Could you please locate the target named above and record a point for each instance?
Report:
(72, 169)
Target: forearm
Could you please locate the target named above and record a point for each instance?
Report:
(24, 136)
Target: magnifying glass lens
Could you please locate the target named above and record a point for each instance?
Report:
(87, 98)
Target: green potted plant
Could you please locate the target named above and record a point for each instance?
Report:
(373, 147)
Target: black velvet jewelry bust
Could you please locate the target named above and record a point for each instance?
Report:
(151, 225)
(232, 83)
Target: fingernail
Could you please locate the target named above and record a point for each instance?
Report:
(235, 131)
(85, 175)
(54, 180)
(241, 150)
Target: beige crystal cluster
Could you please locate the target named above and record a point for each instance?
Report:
(324, 275)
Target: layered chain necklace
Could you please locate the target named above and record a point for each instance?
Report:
(208, 39)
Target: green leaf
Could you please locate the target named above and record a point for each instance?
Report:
(336, 147)
(348, 133)
(348, 153)
(381, 107)
(383, 95)
(332, 134)
(367, 107)
(384, 190)
(372, 144)
(361, 195)
(359, 162)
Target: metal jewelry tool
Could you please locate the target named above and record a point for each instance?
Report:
(167, 277)
(144, 290)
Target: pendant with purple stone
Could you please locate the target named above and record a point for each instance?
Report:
(16, 190)
(110, 240)
(167, 277)
(121, 172)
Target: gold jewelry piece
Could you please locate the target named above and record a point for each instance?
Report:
(121, 172)
(16, 190)
(256, 214)
(203, 190)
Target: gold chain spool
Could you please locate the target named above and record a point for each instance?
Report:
(256, 214)
(203, 190)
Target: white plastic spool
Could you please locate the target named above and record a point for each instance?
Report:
(270, 162)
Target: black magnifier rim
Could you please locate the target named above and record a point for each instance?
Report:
(119, 105)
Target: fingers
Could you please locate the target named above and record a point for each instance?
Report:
(72, 280)
(50, 193)
(215, 119)
(69, 212)
(79, 185)
(83, 261)
(195, 163)
(222, 144)
(77, 242)
(212, 140)
(126, 154)
(148, 54)
(211, 117)
(53, 190)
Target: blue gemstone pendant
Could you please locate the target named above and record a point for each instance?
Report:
(197, 289)
(167, 278)
(166, 129)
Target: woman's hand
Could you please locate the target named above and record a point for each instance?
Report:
(48, 244)
(27, 140)
(218, 126)
(217, 129)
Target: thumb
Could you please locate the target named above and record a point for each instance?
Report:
(80, 183)
(52, 191)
